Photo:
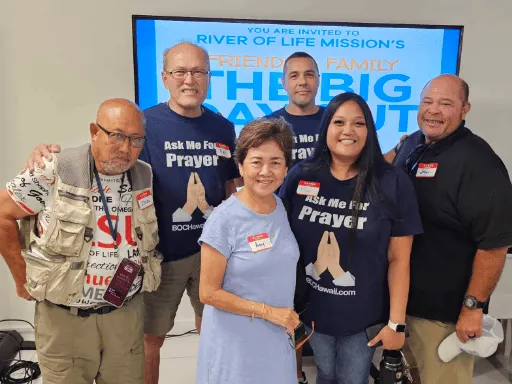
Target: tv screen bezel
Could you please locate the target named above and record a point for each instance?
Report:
(135, 18)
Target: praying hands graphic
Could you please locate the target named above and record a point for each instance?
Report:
(328, 258)
(196, 198)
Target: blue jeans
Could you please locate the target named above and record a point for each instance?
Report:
(341, 360)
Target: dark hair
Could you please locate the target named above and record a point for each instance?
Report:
(465, 91)
(464, 87)
(300, 55)
(367, 162)
(261, 130)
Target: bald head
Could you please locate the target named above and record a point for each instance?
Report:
(117, 136)
(120, 108)
(452, 81)
(186, 75)
(444, 105)
(185, 49)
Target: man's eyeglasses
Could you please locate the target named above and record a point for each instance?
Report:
(118, 138)
(297, 341)
(412, 160)
(180, 74)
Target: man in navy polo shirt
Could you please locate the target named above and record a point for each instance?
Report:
(465, 200)
(189, 148)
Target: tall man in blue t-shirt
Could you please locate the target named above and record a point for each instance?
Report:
(189, 148)
(301, 80)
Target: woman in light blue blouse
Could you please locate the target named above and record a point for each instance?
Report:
(248, 270)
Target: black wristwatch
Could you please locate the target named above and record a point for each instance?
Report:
(471, 302)
(396, 327)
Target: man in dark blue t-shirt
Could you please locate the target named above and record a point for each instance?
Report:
(301, 80)
(190, 149)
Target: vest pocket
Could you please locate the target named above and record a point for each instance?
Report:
(66, 232)
(147, 232)
(152, 271)
(39, 272)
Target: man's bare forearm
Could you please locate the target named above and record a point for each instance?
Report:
(10, 249)
(487, 269)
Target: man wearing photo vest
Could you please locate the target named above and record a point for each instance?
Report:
(189, 149)
(89, 234)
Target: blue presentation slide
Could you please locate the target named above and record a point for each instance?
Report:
(386, 65)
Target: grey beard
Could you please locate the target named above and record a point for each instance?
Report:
(113, 169)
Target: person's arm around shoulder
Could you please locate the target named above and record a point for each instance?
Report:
(36, 157)
(390, 155)
(216, 250)
(233, 185)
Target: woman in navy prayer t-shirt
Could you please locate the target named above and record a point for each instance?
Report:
(354, 217)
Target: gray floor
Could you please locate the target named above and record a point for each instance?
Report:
(493, 370)
(179, 360)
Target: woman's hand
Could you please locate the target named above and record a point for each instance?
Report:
(285, 317)
(391, 340)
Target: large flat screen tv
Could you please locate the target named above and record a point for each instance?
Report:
(387, 64)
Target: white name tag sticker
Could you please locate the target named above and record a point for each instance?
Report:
(426, 170)
(145, 199)
(222, 150)
(259, 242)
(308, 188)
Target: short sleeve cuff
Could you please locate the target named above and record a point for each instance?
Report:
(180, 216)
(311, 271)
(208, 212)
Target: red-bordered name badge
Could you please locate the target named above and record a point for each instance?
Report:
(308, 188)
(145, 199)
(222, 150)
(259, 242)
(426, 170)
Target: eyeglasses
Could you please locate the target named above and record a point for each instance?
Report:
(118, 138)
(299, 345)
(180, 74)
(414, 157)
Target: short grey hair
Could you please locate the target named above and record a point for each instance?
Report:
(205, 52)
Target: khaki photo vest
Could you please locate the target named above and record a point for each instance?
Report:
(65, 245)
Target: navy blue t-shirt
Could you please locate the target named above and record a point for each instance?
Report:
(354, 294)
(305, 129)
(191, 162)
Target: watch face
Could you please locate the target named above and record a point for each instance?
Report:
(469, 302)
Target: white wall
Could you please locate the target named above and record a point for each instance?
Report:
(59, 59)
